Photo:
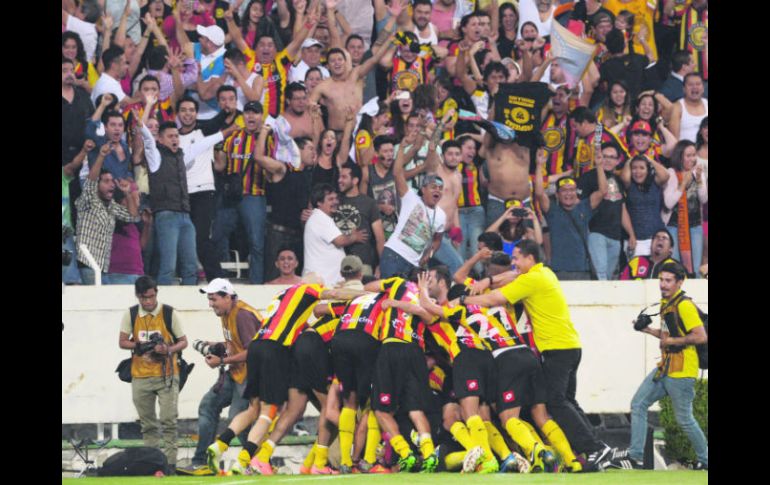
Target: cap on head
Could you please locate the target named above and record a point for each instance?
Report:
(432, 178)
(310, 42)
(351, 265)
(565, 182)
(641, 126)
(218, 285)
(214, 33)
(253, 106)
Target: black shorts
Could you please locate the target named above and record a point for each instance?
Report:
(311, 366)
(520, 379)
(400, 379)
(267, 362)
(474, 374)
(354, 353)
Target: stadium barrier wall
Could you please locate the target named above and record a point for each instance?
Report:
(615, 357)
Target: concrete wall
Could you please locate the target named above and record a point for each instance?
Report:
(615, 358)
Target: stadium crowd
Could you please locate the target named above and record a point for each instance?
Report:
(347, 140)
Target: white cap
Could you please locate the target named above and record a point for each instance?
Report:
(310, 42)
(214, 33)
(218, 284)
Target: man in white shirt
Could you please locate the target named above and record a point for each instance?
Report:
(115, 68)
(209, 53)
(311, 57)
(323, 241)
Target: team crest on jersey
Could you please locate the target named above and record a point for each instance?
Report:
(696, 36)
(257, 67)
(385, 399)
(554, 139)
(642, 270)
(508, 396)
(408, 79)
(472, 385)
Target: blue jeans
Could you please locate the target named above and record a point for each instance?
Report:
(70, 273)
(448, 255)
(391, 264)
(604, 254)
(252, 211)
(209, 409)
(88, 277)
(122, 279)
(495, 209)
(472, 224)
(682, 392)
(696, 241)
(176, 244)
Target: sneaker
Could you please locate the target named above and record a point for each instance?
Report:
(322, 471)
(303, 470)
(407, 463)
(699, 465)
(598, 459)
(429, 464)
(380, 469)
(260, 467)
(195, 470)
(489, 465)
(473, 459)
(625, 463)
(213, 457)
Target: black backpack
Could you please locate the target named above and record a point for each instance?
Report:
(133, 462)
(124, 367)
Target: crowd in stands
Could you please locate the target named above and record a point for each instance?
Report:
(302, 131)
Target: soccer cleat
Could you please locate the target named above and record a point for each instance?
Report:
(574, 467)
(625, 463)
(195, 470)
(429, 464)
(550, 465)
(380, 469)
(598, 459)
(489, 465)
(303, 470)
(345, 470)
(512, 464)
(363, 466)
(536, 459)
(473, 459)
(327, 470)
(699, 465)
(239, 469)
(213, 456)
(260, 467)
(407, 463)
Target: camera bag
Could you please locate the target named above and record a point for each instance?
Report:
(140, 461)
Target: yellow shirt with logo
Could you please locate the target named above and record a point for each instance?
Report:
(544, 300)
(145, 325)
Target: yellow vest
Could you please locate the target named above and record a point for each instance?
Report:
(230, 330)
(148, 365)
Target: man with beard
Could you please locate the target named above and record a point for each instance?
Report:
(648, 267)
(297, 114)
(344, 89)
(359, 211)
(447, 170)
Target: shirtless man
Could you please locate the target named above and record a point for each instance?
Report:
(297, 114)
(508, 165)
(344, 89)
(447, 170)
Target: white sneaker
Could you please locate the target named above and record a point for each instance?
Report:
(473, 458)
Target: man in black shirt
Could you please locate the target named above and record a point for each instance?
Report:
(288, 196)
(633, 69)
(76, 108)
(611, 216)
(359, 211)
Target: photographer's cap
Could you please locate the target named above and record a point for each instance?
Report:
(218, 284)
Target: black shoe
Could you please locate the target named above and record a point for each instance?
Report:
(598, 459)
(699, 465)
(625, 463)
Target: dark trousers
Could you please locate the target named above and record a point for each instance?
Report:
(202, 207)
(560, 369)
(276, 238)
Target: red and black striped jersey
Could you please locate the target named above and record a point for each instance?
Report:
(363, 313)
(239, 149)
(398, 323)
(288, 313)
(470, 195)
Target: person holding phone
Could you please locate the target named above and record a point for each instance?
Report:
(515, 225)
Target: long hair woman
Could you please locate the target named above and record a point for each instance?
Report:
(644, 180)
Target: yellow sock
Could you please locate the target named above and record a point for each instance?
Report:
(533, 432)
(454, 461)
(347, 429)
(321, 456)
(310, 458)
(426, 445)
(479, 434)
(400, 445)
(373, 437)
(496, 441)
(462, 435)
(266, 451)
(559, 441)
(222, 445)
(521, 435)
(244, 458)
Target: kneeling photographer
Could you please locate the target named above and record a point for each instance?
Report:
(681, 330)
(240, 322)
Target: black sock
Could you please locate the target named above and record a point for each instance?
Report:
(227, 436)
(251, 448)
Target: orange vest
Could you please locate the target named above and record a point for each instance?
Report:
(230, 330)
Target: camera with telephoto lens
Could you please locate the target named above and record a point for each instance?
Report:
(205, 349)
(642, 321)
(66, 254)
(144, 347)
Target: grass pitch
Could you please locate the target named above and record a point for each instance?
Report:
(613, 477)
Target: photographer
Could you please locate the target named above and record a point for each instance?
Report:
(154, 371)
(681, 330)
(240, 322)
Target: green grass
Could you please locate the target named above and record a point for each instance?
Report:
(614, 477)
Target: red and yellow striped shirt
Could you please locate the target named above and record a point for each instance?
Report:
(694, 25)
(469, 195)
(364, 313)
(275, 76)
(397, 323)
(288, 313)
(239, 150)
